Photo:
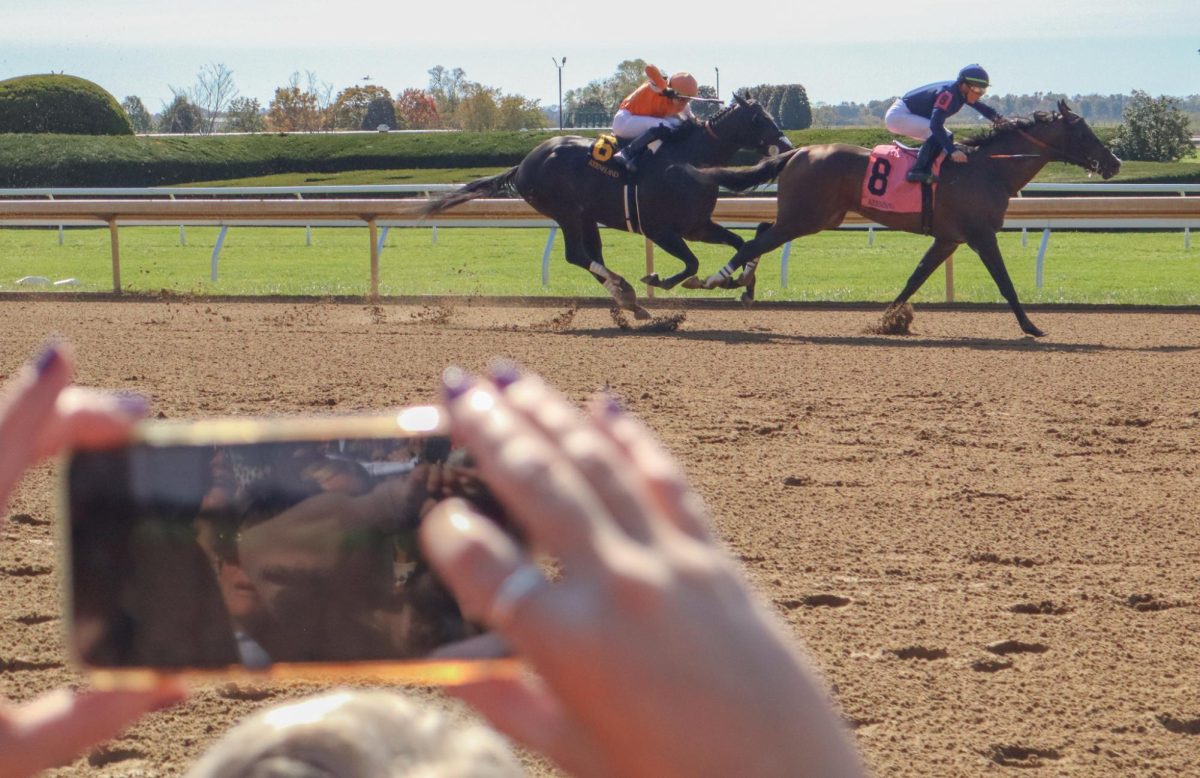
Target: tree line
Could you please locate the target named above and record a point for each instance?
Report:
(306, 104)
(1151, 128)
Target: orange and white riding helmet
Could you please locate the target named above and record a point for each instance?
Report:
(685, 84)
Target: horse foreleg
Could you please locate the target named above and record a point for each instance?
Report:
(673, 244)
(933, 259)
(585, 248)
(988, 249)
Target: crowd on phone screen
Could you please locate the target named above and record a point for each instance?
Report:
(651, 654)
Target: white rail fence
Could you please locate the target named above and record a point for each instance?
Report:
(276, 206)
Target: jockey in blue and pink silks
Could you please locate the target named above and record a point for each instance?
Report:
(922, 113)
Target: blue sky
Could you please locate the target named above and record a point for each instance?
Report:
(1073, 46)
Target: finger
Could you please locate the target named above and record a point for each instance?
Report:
(57, 727)
(530, 714)
(87, 419)
(595, 455)
(475, 558)
(547, 496)
(667, 485)
(26, 409)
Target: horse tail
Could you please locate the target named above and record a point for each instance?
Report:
(481, 187)
(741, 178)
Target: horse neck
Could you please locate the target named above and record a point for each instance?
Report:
(702, 148)
(1016, 171)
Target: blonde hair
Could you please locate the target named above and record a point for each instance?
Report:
(357, 734)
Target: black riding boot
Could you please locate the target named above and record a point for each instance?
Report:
(922, 171)
(627, 157)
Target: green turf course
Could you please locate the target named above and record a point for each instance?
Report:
(1081, 267)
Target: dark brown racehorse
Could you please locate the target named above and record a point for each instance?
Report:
(569, 180)
(819, 184)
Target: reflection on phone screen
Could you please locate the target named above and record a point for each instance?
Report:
(255, 554)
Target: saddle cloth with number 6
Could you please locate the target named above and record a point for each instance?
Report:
(884, 187)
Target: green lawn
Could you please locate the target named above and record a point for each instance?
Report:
(1081, 267)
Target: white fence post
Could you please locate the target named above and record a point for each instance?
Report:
(546, 255)
(1041, 257)
(783, 265)
(217, 249)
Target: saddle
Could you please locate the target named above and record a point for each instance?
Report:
(884, 187)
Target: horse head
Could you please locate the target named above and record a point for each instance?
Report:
(1082, 147)
(747, 124)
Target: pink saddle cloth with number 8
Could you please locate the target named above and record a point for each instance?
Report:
(884, 187)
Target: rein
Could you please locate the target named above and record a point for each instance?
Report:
(1086, 164)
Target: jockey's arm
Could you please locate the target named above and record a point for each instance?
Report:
(658, 81)
(986, 111)
(937, 126)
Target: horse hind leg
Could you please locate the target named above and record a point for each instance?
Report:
(673, 244)
(585, 249)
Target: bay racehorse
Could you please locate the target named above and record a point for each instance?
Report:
(818, 185)
(569, 179)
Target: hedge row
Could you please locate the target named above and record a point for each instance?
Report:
(74, 160)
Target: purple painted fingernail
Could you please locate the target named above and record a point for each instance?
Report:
(504, 372)
(47, 359)
(455, 382)
(133, 403)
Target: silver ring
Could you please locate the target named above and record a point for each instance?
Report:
(516, 587)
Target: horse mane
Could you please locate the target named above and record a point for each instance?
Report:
(1009, 126)
(722, 114)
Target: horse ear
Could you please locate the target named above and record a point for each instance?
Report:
(1067, 113)
(741, 100)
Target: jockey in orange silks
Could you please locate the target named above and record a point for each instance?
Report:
(652, 113)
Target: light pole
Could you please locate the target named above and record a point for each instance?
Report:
(718, 72)
(559, 65)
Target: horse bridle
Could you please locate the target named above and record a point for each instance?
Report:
(1091, 165)
(713, 134)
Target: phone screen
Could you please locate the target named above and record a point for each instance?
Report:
(247, 555)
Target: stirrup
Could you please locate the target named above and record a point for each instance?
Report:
(920, 177)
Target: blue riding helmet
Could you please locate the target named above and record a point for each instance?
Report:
(974, 75)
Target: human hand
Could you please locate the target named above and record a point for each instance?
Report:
(958, 156)
(655, 657)
(40, 414)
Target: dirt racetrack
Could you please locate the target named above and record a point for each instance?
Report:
(989, 544)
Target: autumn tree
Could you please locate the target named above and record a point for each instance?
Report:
(477, 109)
(417, 110)
(515, 112)
(447, 88)
(350, 106)
(293, 109)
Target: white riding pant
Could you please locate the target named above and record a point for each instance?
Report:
(902, 121)
(630, 125)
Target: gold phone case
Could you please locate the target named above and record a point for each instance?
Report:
(267, 549)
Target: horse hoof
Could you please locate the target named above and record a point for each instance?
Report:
(652, 280)
(691, 282)
(640, 313)
(1034, 331)
(747, 297)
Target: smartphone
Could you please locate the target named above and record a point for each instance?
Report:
(282, 548)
